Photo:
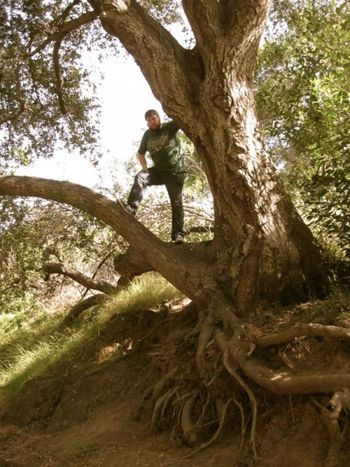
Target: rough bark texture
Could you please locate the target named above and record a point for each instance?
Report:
(261, 249)
(188, 267)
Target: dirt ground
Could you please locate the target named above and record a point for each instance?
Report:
(82, 413)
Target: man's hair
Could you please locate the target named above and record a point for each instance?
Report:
(151, 112)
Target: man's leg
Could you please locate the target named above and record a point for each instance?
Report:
(142, 180)
(174, 184)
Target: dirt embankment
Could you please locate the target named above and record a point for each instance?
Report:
(85, 411)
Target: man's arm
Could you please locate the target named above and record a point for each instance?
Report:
(143, 162)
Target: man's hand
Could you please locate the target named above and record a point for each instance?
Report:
(143, 162)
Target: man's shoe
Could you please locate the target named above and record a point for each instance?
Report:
(128, 208)
(179, 238)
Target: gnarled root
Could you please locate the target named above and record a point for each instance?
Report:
(330, 416)
(194, 398)
(303, 330)
(189, 433)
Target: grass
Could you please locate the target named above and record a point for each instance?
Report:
(29, 349)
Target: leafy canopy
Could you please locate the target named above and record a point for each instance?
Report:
(303, 96)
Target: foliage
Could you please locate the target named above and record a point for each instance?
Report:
(46, 93)
(303, 98)
(32, 120)
(34, 232)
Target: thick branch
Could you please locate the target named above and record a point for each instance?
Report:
(181, 265)
(227, 31)
(170, 70)
(204, 18)
(60, 268)
(130, 264)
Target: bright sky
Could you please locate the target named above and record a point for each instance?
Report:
(125, 95)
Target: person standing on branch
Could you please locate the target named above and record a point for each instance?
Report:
(162, 142)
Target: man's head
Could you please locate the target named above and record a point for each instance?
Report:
(152, 119)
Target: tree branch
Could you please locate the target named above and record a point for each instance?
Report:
(57, 70)
(64, 30)
(12, 116)
(181, 265)
(227, 31)
(204, 18)
(163, 61)
(22, 107)
(86, 281)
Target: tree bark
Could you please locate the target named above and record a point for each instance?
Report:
(83, 279)
(261, 250)
(188, 267)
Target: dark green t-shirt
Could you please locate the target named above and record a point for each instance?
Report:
(164, 147)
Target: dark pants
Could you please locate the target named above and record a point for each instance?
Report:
(173, 182)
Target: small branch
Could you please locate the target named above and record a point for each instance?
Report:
(303, 330)
(64, 30)
(99, 266)
(22, 107)
(60, 268)
(57, 71)
(61, 19)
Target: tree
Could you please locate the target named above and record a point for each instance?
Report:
(302, 97)
(261, 249)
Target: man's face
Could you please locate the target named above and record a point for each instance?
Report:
(153, 122)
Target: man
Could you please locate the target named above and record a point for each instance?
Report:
(161, 141)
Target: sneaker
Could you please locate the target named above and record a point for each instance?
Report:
(179, 238)
(128, 208)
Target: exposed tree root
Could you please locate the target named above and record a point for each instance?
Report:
(216, 434)
(206, 331)
(301, 330)
(193, 399)
(330, 416)
(226, 355)
(187, 425)
(287, 382)
(77, 309)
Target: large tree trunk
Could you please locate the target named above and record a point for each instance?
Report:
(263, 249)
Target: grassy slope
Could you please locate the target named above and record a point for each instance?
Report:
(27, 349)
